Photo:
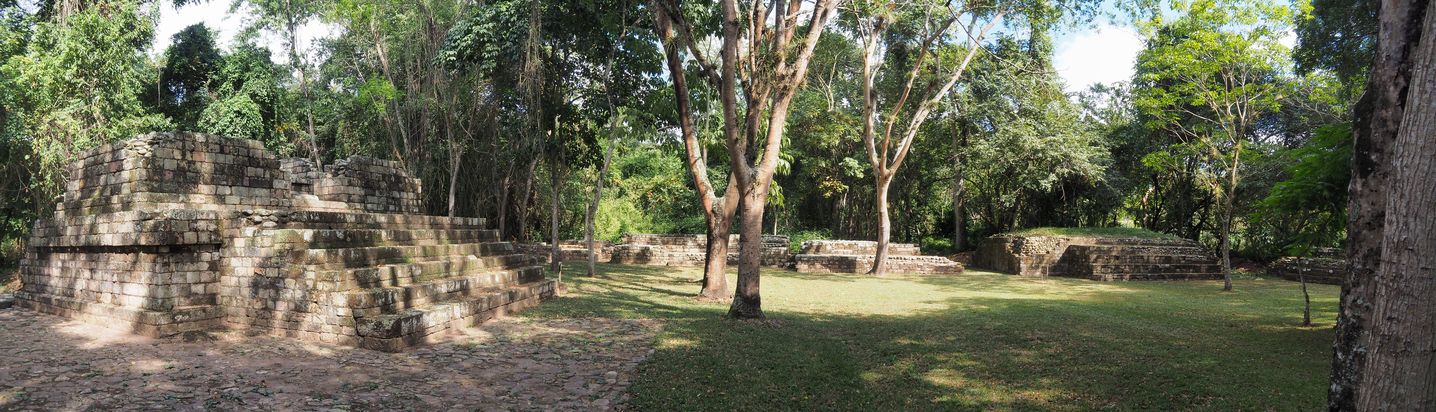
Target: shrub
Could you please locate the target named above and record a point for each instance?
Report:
(796, 239)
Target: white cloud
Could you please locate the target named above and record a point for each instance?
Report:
(1104, 54)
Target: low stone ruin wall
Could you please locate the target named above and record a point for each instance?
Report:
(570, 250)
(1097, 258)
(169, 171)
(690, 250)
(1325, 270)
(372, 185)
(856, 256)
(856, 247)
(178, 232)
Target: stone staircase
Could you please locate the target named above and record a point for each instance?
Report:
(383, 282)
(1135, 259)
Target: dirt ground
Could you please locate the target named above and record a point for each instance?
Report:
(50, 363)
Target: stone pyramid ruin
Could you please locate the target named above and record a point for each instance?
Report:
(169, 233)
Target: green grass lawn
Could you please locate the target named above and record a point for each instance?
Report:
(1093, 232)
(979, 341)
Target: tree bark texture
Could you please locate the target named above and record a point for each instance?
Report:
(1399, 372)
(1375, 127)
(555, 253)
(884, 226)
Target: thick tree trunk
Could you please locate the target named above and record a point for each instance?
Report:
(747, 304)
(884, 226)
(1399, 373)
(555, 253)
(1374, 130)
(715, 263)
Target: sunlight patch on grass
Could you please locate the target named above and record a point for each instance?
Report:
(676, 342)
(976, 341)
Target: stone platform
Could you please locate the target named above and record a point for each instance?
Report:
(176, 232)
(1104, 259)
(689, 250)
(1324, 265)
(856, 256)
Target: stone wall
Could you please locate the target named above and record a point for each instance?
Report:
(1020, 255)
(856, 247)
(570, 250)
(690, 250)
(178, 232)
(1325, 270)
(856, 256)
(162, 171)
(1097, 258)
(372, 185)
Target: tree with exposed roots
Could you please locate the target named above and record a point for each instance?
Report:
(765, 53)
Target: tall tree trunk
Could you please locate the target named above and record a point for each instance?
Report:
(959, 214)
(521, 223)
(747, 303)
(588, 216)
(884, 225)
(454, 164)
(1224, 239)
(556, 253)
(1399, 372)
(503, 205)
(1375, 128)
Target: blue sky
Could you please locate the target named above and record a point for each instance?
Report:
(1083, 55)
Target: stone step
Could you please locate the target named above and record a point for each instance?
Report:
(1156, 276)
(392, 333)
(391, 300)
(349, 220)
(1138, 250)
(403, 274)
(381, 255)
(1143, 259)
(1140, 268)
(349, 238)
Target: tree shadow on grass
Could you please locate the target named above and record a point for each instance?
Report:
(975, 342)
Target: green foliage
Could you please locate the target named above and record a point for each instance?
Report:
(796, 239)
(1027, 147)
(190, 62)
(618, 216)
(1337, 36)
(81, 81)
(1308, 208)
(234, 116)
(935, 245)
